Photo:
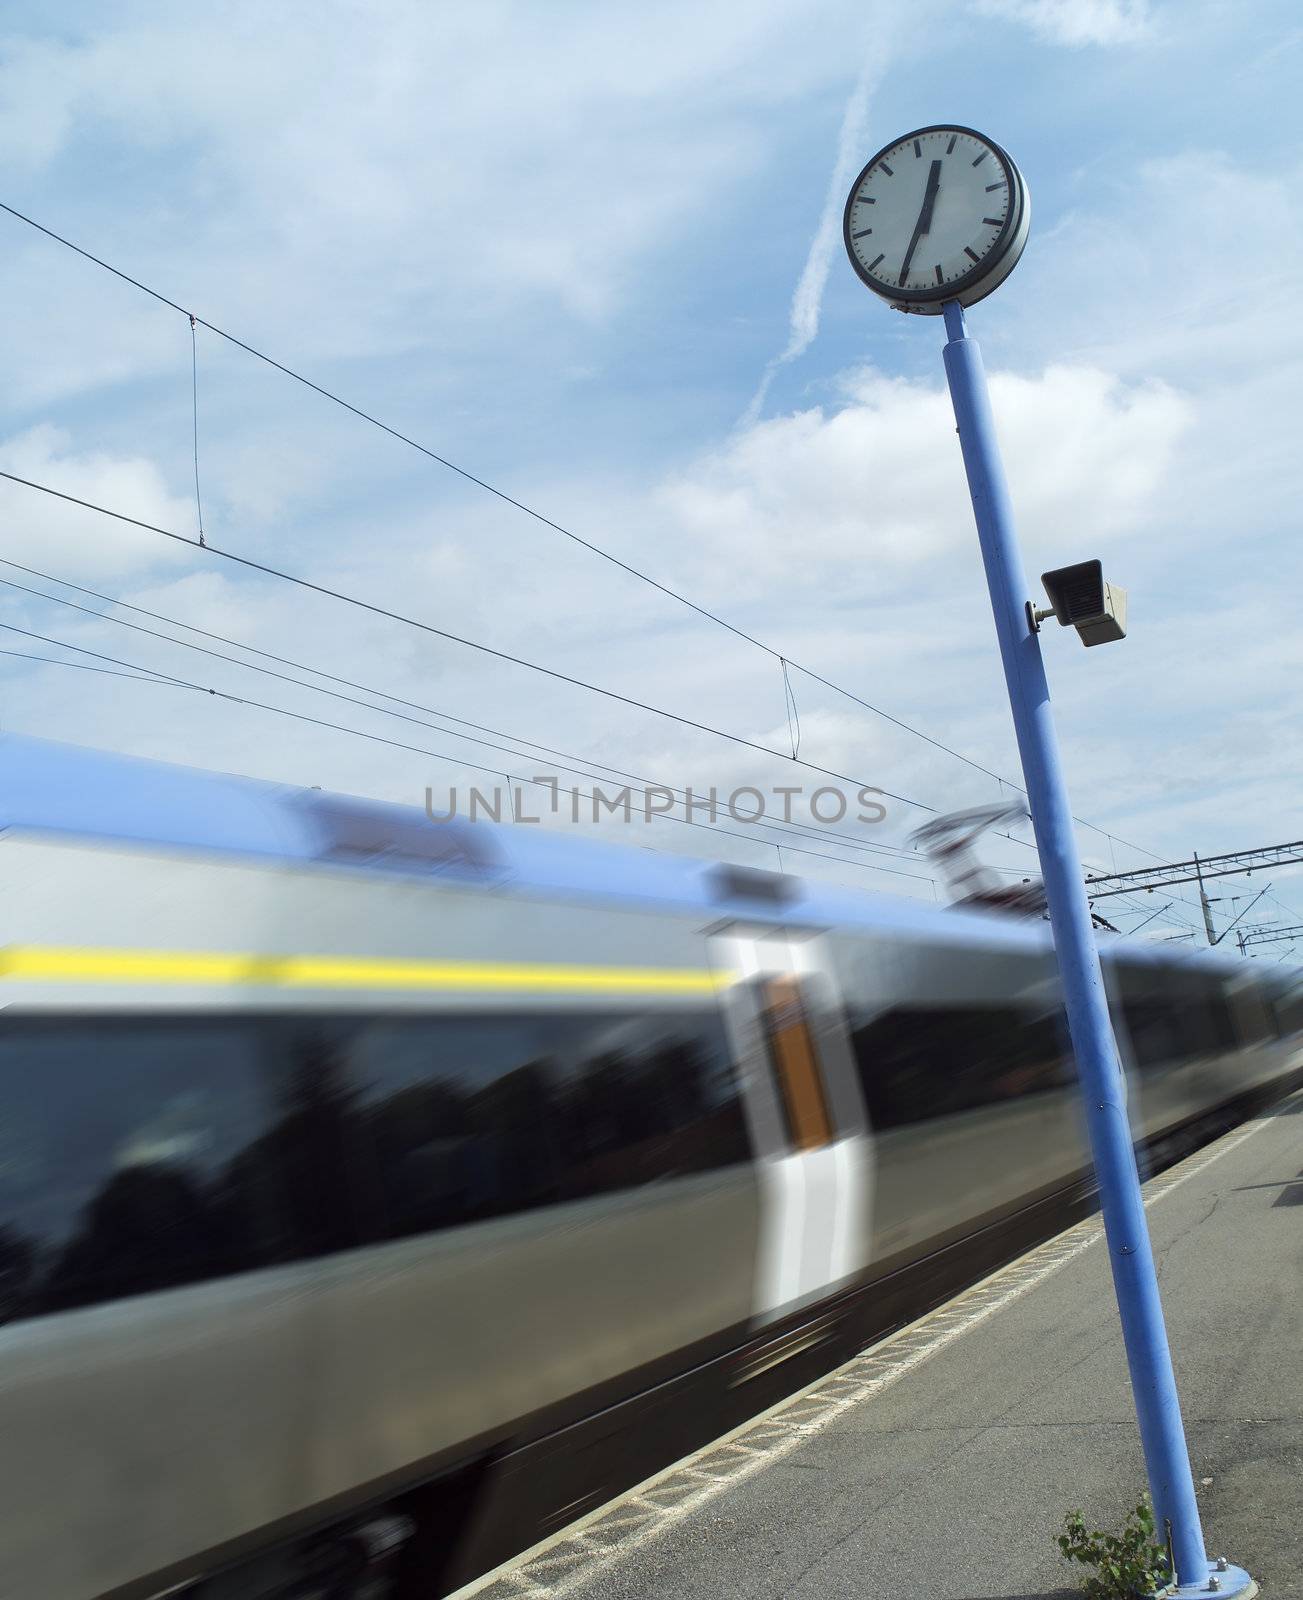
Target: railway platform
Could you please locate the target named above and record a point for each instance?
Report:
(940, 1463)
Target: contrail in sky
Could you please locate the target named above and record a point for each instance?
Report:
(803, 319)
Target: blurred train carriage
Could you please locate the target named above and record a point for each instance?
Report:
(377, 1195)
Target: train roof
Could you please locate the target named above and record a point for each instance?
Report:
(61, 789)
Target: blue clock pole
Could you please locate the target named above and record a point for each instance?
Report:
(1153, 1383)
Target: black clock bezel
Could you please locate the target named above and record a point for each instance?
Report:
(936, 294)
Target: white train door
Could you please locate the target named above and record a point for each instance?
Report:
(805, 1116)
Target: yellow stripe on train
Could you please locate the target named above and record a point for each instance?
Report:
(55, 964)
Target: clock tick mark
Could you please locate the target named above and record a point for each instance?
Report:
(918, 148)
(939, 273)
(865, 200)
(971, 254)
(888, 170)
(996, 222)
(991, 186)
(950, 147)
(981, 158)
(874, 263)
(862, 234)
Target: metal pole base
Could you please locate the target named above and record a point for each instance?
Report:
(1223, 1580)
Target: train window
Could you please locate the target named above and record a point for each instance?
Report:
(1174, 1015)
(139, 1154)
(916, 1062)
(315, 1137)
(1211, 1013)
(129, 1159)
(646, 1097)
(1154, 1029)
(462, 1118)
(1287, 1010)
(453, 1119)
(1252, 1013)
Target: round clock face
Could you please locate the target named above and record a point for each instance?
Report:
(941, 214)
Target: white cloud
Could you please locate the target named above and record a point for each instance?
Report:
(483, 155)
(1230, 505)
(878, 483)
(1134, 272)
(1077, 22)
(41, 530)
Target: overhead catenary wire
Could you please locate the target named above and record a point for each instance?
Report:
(459, 639)
(681, 795)
(1291, 911)
(1171, 910)
(138, 675)
(385, 427)
(529, 511)
(143, 674)
(426, 627)
(800, 830)
(1166, 913)
(1150, 918)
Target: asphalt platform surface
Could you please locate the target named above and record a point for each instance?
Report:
(939, 1464)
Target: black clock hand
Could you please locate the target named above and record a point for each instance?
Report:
(930, 198)
(924, 217)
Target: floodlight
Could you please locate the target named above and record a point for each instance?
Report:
(1080, 599)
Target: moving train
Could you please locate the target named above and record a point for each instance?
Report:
(377, 1195)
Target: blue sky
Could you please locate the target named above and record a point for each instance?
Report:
(562, 245)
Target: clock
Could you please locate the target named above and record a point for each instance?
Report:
(941, 214)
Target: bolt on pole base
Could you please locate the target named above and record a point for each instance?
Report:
(1224, 1580)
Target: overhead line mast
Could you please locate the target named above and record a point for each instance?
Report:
(1268, 935)
(1195, 870)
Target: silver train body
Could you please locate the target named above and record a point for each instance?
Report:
(277, 1241)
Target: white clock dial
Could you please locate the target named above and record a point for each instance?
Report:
(941, 214)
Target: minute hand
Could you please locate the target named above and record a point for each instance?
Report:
(924, 218)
